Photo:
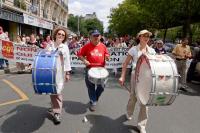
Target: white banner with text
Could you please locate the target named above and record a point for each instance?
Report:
(25, 54)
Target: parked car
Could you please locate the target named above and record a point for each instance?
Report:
(193, 72)
(169, 46)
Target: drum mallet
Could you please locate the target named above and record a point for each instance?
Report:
(129, 90)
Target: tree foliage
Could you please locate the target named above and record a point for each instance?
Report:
(134, 15)
(85, 25)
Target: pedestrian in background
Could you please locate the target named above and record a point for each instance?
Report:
(4, 36)
(159, 48)
(47, 41)
(182, 52)
(20, 66)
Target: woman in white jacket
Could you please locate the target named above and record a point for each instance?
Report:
(133, 54)
(60, 38)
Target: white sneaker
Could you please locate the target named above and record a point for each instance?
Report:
(142, 129)
(128, 117)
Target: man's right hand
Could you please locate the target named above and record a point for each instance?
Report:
(87, 63)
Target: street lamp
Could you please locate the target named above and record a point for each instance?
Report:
(78, 26)
(1, 3)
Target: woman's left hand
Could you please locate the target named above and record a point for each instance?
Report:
(67, 77)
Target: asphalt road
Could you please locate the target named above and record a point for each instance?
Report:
(25, 112)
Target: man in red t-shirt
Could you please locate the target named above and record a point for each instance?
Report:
(93, 54)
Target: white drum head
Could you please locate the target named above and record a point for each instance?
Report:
(59, 74)
(98, 72)
(156, 80)
(144, 81)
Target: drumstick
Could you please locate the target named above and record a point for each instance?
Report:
(129, 90)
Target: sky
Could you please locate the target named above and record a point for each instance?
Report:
(101, 7)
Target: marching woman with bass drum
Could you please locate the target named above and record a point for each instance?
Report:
(50, 68)
(60, 38)
(133, 54)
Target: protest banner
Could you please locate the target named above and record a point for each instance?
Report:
(17, 52)
(25, 53)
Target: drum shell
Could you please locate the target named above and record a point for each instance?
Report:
(156, 80)
(45, 73)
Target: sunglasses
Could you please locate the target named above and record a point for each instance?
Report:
(61, 34)
(95, 35)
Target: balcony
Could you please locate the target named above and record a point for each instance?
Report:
(54, 18)
(59, 22)
(45, 15)
(34, 9)
(20, 4)
(62, 3)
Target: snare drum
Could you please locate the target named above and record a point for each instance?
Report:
(48, 73)
(98, 75)
(156, 80)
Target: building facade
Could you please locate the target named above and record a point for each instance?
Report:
(20, 17)
(90, 16)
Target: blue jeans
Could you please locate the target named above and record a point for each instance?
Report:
(1, 63)
(93, 92)
(7, 63)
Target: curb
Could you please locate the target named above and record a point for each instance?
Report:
(12, 69)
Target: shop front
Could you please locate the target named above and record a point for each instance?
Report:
(10, 22)
(38, 26)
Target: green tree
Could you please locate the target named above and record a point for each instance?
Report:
(73, 23)
(154, 14)
(125, 18)
(91, 24)
(85, 25)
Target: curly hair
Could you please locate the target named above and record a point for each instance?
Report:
(56, 31)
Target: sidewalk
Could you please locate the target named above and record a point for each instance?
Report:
(12, 68)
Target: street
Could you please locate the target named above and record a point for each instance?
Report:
(25, 112)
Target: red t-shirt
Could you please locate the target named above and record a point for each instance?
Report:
(95, 54)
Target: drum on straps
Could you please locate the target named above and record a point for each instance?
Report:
(156, 80)
(98, 75)
(48, 72)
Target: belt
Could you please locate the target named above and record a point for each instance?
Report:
(180, 59)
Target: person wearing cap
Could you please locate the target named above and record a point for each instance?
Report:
(182, 52)
(93, 54)
(133, 54)
(4, 36)
(159, 47)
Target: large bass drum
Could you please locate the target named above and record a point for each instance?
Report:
(48, 72)
(156, 80)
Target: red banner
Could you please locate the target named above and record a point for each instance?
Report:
(7, 49)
